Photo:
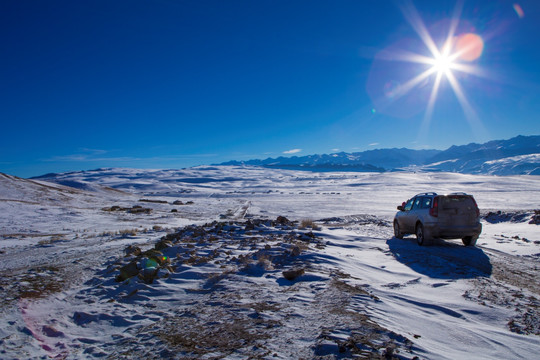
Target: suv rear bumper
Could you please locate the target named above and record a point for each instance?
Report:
(453, 232)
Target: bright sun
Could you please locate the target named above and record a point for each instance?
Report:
(442, 63)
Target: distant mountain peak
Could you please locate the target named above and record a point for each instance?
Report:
(470, 158)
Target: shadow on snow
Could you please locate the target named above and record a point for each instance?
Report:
(442, 260)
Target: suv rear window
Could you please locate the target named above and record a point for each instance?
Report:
(456, 201)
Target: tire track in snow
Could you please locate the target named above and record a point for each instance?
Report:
(242, 211)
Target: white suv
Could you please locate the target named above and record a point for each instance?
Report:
(429, 216)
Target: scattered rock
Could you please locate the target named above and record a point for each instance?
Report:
(128, 271)
(535, 220)
(52, 332)
(153, 201)
(495, 217)
(114, 208)
(133, 210)
(249, 226)
(293, 273)
(163, 244)
(295, 251)
(389, 352)
(148, 274)
(132, 250)
(282, 220)
(306, 236)
(275, 250)
(139, 210)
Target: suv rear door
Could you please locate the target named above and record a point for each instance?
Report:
(457, 211)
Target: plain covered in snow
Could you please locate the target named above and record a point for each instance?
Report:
(238, 262)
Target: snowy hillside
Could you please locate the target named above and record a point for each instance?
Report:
(246, 262)
(468, 159)
(516, 156)
(42, 192)
(522, 164)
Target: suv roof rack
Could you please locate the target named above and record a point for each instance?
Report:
(426, 193)
(458, 193)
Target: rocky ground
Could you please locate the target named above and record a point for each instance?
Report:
(255, 272)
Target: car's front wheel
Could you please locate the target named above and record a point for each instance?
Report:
(420, 235)
(469, 240)
(397, 231)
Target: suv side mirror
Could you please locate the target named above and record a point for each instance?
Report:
(401, 208)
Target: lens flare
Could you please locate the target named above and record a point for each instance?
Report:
(391, 89)
(469, 46)
(519, 11)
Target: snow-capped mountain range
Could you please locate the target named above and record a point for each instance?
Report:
(516, 156)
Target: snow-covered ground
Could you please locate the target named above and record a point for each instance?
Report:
(80, 278)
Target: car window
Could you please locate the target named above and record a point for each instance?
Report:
(417, 202)
(456, 201)
(426, 203)
(409, 205)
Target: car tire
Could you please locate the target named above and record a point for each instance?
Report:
(420, 235)
(397, 231)
(469, 240)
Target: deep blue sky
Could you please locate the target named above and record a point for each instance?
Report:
(172, 84)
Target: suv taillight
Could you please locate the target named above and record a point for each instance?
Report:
(434, 211)
(476, 207)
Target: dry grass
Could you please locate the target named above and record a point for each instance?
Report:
(308, 223)
(52, 240)
(128, 232)
(34, 283)
(231, 329)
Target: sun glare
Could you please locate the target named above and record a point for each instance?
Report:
(442, 63)
(443, 60)
(456, 55)
(410, 75)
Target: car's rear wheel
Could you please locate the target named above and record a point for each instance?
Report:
(397, 231)
(420, 235)
(469, 240)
